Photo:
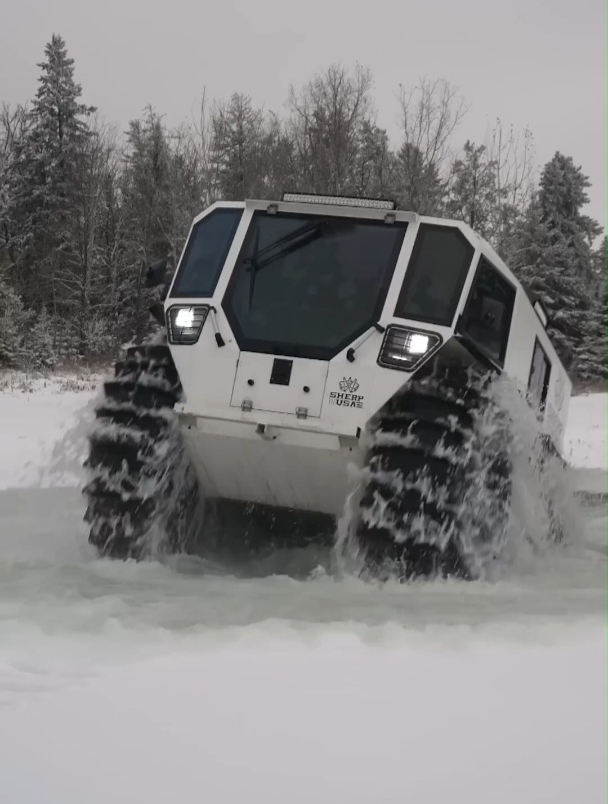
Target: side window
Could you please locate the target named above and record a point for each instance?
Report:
(540, 374)
(487, 317)
(435, 275)
(205, 252)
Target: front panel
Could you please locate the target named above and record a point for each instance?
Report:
(279, 384)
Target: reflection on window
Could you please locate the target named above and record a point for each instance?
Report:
(487, 318)
(540, 372)
(205, 253)
(435, 275)
(307, 285)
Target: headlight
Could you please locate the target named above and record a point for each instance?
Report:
(185, 322)
(405, 349)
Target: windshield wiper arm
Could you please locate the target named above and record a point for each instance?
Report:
(299, 232)
(253, 261)
(304, 234)
(304, 240)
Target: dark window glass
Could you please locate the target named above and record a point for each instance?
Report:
(306, 286)
(205, 253)
(435, 275)
(487, 318)
(540, 372)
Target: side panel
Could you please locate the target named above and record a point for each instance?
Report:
(525, 328)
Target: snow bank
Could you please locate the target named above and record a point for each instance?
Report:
(586, 440)
(334, 720)
(43, 431)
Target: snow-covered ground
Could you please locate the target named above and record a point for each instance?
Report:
(154, 683)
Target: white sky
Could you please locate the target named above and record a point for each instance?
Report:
(540, 63)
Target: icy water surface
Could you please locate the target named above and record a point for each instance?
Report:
(67, 617)
(50, 579)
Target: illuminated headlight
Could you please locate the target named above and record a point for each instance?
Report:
(405, 349)
(339, 200)
(185, 322)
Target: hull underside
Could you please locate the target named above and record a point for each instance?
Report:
(280, 467)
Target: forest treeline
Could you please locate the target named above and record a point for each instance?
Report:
(84, 209)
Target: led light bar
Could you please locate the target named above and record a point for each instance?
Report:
(185, 323)
(339, 200)
(405, 349)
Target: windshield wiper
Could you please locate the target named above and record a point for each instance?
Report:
(302, 236)
(253, 264)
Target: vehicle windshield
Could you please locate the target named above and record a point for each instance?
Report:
(307, 285)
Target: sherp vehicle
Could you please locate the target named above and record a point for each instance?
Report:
(307, 336)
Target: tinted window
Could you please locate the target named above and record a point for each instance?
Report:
(435, 275)
(540, 372)
(487, 318)
(206, 250)
(307, 285)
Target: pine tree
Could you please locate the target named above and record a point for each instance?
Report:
(473, 195)
(374, 164)
(13, 321)
(145, 184)
(277, 163)
(552, 256)
(44, 345)
(42, 200)
(599, 267)
(562, 195)
(591, 365)
(592, 354)
(12, 122)
(238, 132)
(418, 184)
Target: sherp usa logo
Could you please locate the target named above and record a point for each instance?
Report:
(346, 396)
(348, 385)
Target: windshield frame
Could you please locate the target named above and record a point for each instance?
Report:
(289, 349)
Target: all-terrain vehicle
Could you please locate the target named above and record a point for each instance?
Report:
(306, 336)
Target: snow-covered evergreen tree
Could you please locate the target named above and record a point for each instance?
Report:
(47, 342)
(592, 354)
(278, 162)
(472, 193)
(591, 364)
(238, 130)
(144, 191)
(552, 255)
(12, 122)
(42, 188)
(375, 164)
(13, 322)
(418, 184)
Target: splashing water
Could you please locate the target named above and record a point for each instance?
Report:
(509, 516)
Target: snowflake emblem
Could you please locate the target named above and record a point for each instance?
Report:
(348, 385)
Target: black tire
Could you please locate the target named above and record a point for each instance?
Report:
(141, 492)
(436, 482)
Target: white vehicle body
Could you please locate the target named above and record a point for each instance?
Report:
(289, 445)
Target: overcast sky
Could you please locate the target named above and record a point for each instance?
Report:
(540, 63)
